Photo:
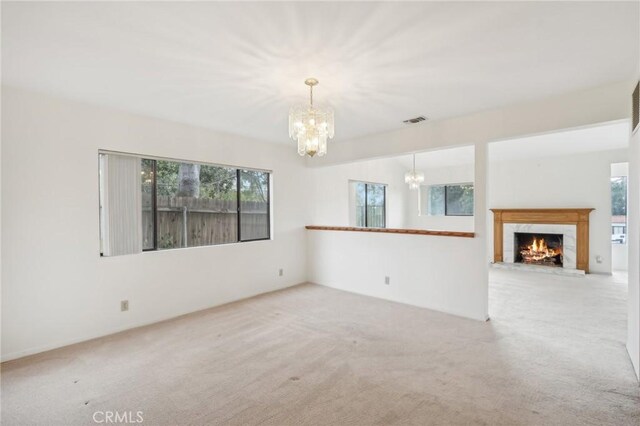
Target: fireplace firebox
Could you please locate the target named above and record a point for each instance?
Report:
(538, 249)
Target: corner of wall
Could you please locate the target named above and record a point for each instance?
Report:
(633, 315)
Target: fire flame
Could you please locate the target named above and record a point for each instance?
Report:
(538, 250)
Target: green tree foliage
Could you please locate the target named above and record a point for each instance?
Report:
(215, 182)
(167, 177)
(254, 186)
(619, 196)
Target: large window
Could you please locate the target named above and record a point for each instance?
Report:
(370, 204)
(184, 204)
(449, 200)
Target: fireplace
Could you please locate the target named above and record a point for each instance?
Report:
(538, 249)
(565, 232)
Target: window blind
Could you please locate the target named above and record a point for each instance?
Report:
(120, 205)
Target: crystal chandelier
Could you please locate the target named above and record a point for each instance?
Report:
(311, 126)
(413, 178)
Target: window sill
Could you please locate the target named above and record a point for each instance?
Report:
(234, 243)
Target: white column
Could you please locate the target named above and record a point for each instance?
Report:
(480, 225)
(633, 240)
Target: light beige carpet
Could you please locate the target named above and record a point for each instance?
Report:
(553, 354)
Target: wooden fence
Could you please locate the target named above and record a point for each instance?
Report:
(191, 222)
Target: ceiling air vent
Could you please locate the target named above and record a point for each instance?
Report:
(415, 120)
(635, 119)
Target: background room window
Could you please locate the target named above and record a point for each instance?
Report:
(436, 200)
(450, 200)
(370, 201)
(184, 204)
(619, 209)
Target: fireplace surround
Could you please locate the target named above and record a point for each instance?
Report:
(571, 224)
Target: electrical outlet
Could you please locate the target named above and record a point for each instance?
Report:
(124, 305)
(387, 280)
(281, 272)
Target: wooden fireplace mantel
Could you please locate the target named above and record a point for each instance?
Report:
(578, 217)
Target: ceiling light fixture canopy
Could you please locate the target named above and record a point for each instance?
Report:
(311, 126)
(413, 178)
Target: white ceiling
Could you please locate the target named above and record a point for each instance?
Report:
(237, 67)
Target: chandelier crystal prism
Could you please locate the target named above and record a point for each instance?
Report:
(311, 126)
(413, 178)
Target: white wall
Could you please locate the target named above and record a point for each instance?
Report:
(581, 180)
(423, 270)
(633, 241)
(56, 289)
(619, 257)
(437, 176)
(329, 191)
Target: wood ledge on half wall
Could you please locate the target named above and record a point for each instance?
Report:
(393, 231)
